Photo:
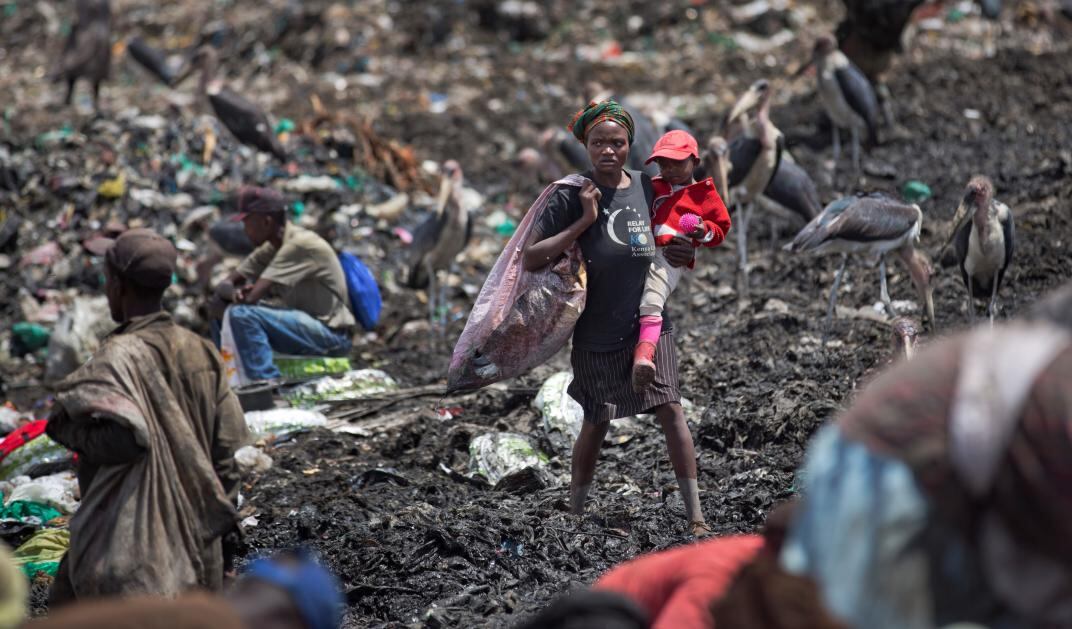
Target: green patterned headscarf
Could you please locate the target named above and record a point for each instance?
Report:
(586, 119)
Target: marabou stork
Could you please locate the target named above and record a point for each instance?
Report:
(242, 118)
(870, 35)
(439, 239)
(88, 51)
(872, 224)
(754, 157)
(847, 95)
(982, 237)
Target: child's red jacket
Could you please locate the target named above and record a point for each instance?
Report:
(701, 199)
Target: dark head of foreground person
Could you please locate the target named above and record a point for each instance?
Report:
(289, 296)
(155, 427)
(609, 218)
(288, 592)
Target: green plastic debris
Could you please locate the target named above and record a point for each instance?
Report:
(296, 367)
(915, 191)
(297, 209)
(955, 15)
(506, 228)
(32, 335)
(722, 40)
(286, 125)
(43, 552)
(10, 9)
(22, 510)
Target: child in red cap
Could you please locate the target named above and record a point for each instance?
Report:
(684, 208)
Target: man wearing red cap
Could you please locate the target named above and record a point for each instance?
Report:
(289, 295)
(155, 426)
(683, 208)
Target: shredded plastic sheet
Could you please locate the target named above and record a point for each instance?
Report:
(352, 385)
(281, 421)
(495, 455)
(43, 552)
(520, 318)
(295, 367)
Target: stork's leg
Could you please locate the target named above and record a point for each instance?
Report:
(991, 309)
(837, 143)
(855, 150)
(742, 249)
(442, 302)
(886, 97)
(70, 92)
(885, 294)
(96, 96)
(431, 295)
(833, 298)
(971, 303)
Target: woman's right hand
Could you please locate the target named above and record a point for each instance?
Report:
(590, 196)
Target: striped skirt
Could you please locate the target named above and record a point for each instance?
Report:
(603, 386)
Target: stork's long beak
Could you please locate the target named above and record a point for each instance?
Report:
(745, 103)
(187, 71)
(445, 186)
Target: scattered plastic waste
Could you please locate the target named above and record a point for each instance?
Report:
(282, 421)
(349, 386)
(43, 552)
(57, 490)
(252, 459)
(916, 191)
(497, 455)
(31, 336)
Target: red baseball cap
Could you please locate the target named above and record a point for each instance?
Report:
(675, 145)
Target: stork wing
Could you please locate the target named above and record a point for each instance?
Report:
(873, 217)
(88, 52)
(792, 188)
(817, 231)
(246, 121)
(860, 95)
(744, 151)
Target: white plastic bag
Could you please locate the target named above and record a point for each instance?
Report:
(232, 362)
(58, 490)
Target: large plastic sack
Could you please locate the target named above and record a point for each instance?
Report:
(57, 490)
(77, 335)
(43, 552)
(352, 385)
(363, 291)
(281, 421)
(36, 452)
(520, 318)
(496, 455)
(561, 416)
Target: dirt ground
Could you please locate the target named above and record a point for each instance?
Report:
(417, 546)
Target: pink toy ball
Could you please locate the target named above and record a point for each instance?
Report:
(688, 222)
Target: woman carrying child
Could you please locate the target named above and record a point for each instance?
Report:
(610, 219)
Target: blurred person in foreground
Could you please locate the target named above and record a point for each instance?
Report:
(732, 581)
(287, 592)
(942, 495)
(289, 295)
(155, 426)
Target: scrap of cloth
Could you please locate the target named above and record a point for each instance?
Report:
(596, 112)
(676, 587)
(967, 450)
(157, 426)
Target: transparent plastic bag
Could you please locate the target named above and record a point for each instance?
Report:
(520, 318)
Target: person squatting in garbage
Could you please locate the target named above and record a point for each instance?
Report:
(289, 296)
(155, 426)
(683, 208)
(610, 219)
(942, 495)
(289, 591)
